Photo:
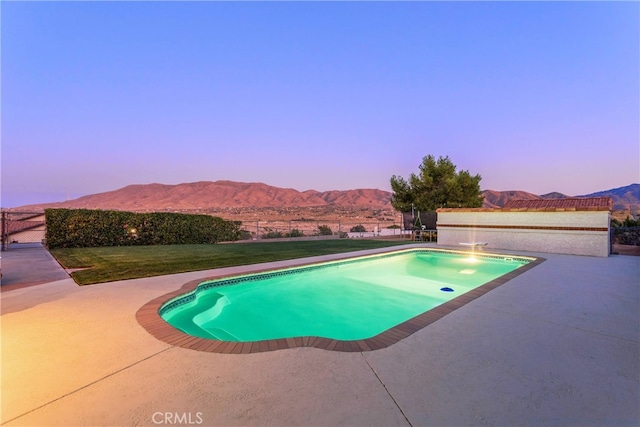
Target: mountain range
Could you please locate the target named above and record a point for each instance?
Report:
(624, 198)
(230, 194)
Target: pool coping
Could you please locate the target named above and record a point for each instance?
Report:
(148, 316)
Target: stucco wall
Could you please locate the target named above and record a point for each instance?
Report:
(569, 232)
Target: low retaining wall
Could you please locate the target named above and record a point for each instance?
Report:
(568, 232)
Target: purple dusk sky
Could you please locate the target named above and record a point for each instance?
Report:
(534, 96)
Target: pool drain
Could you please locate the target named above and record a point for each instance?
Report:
(447, 289)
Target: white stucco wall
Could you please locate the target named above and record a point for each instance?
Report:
(555, 232)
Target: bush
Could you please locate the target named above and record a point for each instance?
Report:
(245, 235)
(627, 236)
(270, 234)
(78, 228)
(295, 233)
(324, 230)
(358, 229)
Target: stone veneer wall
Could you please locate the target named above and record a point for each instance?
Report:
(556, 231)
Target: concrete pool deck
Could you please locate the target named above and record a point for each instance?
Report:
(557, 345)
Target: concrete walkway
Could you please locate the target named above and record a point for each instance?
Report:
(29, 264)
(558, 345)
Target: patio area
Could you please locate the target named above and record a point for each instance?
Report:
(557, 345)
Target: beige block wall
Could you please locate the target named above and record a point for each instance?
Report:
(576, 242)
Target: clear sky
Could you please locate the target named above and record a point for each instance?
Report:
(535, 96)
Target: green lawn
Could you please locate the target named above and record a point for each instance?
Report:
(131, 262)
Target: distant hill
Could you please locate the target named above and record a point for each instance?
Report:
(497, 199)
(624, 198)
(554, 195)
(230, 194)
(220, 194)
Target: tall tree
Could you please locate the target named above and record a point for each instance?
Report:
(437, 185)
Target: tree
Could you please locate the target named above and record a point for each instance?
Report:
(437, 185)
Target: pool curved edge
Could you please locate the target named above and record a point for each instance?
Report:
(148, 316)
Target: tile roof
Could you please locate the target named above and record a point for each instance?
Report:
(18, 226)
(577, 203)
(546, 205)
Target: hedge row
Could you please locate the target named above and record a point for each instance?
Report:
(77, 228)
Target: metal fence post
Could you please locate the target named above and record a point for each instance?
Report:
(4, 231)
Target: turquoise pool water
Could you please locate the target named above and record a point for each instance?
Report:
(346, 300)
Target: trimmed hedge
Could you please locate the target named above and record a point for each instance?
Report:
(81, 228)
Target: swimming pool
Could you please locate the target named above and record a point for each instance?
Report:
(349, 304)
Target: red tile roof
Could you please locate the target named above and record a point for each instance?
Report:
(18, 226)
(546, 205)
(577, 203)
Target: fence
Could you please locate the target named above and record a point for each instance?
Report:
(20, 227)
(261, 229)
(626, 235)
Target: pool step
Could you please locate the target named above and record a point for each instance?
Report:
(216, 303)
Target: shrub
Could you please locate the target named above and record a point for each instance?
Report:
(76, 228)
(245, 235)
(324, 230)
(358, 229)
(295, 233)
(270, 234)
